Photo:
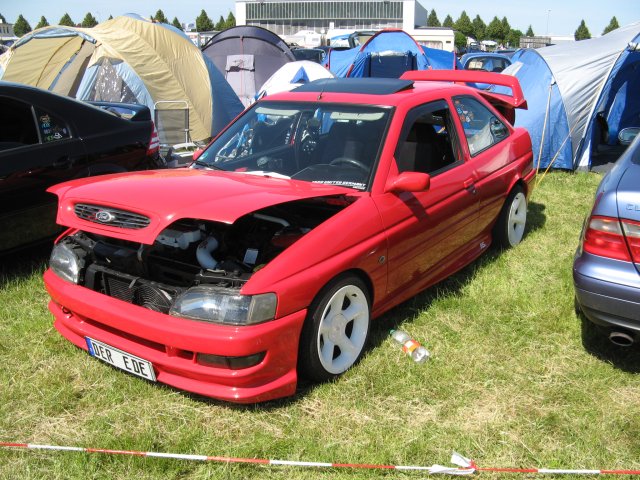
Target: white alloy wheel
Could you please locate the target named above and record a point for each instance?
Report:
(336, 329)
(517, 219)
(343, 329)
(512, 221)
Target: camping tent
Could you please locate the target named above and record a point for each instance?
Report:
(128, 59)
(292, 75)
(389, 53)
(578, 95)
(247, 56)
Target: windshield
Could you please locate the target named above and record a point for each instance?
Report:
(330, 143)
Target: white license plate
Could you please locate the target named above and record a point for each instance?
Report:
(122, 360)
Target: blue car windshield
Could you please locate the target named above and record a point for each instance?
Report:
(333, 144)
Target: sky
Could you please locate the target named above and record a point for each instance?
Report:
(553, 17)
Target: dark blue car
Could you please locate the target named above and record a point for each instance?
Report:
(606, 265)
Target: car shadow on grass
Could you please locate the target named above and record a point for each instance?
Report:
(451, 286)
(596, 342)
(23, 263)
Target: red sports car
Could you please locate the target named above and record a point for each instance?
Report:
(312, 213)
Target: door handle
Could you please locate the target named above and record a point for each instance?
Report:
(470, 186)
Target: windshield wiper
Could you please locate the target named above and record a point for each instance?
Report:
(263, 173)
(200, 163)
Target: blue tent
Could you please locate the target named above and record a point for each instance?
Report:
(579, 95)
(387, 54)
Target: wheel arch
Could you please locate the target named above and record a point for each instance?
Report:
(358, 272)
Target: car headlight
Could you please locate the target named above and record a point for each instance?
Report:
(65, 263)
(224, 305)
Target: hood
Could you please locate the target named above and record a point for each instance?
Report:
(165, 196)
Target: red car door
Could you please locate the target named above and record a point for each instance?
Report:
(486, 137)
(435, 232)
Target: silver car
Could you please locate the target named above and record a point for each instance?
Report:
(607, 263)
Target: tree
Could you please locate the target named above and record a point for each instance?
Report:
(460, 40)
(220, 25)
(203, 22)
(21, 26)
(582, 32)
(464, 25)
(231, 21)
(110, 17)
(176, 23)
(513, 39)
(66, 21)
(42, 23)
(494, 29)
(479, 28)
(448, 22)
(530, 32)
(89, 21)
(613, 24)
(160, 17)
(432, 20)
(506, 29)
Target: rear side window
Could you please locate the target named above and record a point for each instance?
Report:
(52, 128)
(482, 128)
(17, 124)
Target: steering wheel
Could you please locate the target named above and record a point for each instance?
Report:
(350, 161)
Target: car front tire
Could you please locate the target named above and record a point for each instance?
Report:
(336, 329)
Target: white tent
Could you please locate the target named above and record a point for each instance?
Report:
(292, 75)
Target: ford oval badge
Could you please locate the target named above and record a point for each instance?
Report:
(104, 216)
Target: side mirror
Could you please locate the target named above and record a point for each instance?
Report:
(197, 153)
(409, 182)
(626, 135)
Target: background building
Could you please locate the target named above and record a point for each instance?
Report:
(332, 17)
(7, 37)
(544, 41)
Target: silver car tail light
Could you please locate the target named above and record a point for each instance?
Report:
(631, 231)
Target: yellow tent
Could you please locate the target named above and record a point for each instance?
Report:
(133, 60)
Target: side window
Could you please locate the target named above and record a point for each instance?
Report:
(428, 143)
(482, 128)
(51, 128)
(17, 124)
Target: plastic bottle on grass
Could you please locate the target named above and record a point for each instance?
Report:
(411, 347)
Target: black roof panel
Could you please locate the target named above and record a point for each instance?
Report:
(372, 86)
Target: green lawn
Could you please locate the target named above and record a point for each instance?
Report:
(509, 384)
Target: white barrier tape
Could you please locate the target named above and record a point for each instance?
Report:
(465, 466)
(205, 458)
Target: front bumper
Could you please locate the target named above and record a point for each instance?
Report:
(607, 291)
(171, 343)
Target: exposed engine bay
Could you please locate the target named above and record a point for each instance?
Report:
(194, 252)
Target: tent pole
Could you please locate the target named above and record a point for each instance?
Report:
(544, 126)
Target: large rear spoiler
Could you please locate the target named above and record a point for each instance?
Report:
(515, 100)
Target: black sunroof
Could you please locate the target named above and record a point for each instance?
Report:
(373, 86)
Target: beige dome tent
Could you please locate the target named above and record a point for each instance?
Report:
(128, 59)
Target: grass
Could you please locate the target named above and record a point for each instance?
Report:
(510, 382)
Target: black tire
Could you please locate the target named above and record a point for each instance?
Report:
(331, 342)
(509, 229)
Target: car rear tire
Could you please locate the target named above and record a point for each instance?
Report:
(512, 221)
(336, 329)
